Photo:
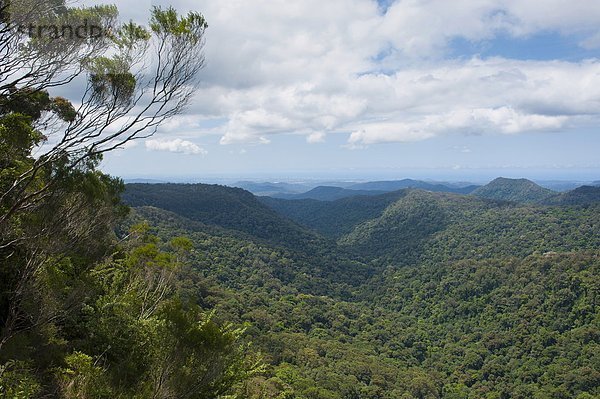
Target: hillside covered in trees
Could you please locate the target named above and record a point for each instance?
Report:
(423, 295)
(382, 290)
(516, 190)
(206, 291)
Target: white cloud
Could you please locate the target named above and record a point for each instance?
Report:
(389, 132)
(315, 137)
(315, 68)
(503, 120)
(175, 145)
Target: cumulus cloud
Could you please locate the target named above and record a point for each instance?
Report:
(175, 145)
(347, 66)
(315, 137)
(466, 121)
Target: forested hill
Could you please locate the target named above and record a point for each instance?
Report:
(402, 227)
(584, 195)
(333, 218)
(227, 207)
(425, 295)
(431, 227)
(516, 190)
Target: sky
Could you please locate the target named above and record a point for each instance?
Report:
(462, 89)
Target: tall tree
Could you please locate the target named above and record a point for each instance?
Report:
(130, 79)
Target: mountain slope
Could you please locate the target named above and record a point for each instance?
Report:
(437, 227)
(462, 298)
(319, 268)
(328, 193)
(515, 190)
(333, 218)
(405, 225)
(584, 195)
(230, 208)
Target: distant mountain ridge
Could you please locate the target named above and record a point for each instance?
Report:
(297, 223)
(144, 181)
(394, 185)
(327, 193)
(334, 191)
(268, 188)
(514, 190)
(340, 217)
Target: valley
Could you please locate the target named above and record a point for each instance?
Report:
(410, 293)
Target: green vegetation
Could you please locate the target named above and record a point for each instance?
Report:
(205, 292)
(328, 193)
(230, 208)
(449, 296)
(336, 218)
(86, 313)
(515, 190)
(584, 196)
(424, 227)
(427, 295)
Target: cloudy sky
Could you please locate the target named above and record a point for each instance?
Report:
(405, 88)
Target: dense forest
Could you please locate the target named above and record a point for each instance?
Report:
(423, 295)
(381, 290)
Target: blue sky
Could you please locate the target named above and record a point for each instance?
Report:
(469, 89)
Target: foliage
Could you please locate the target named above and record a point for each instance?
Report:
(460, 298)
(230, 208)
(17, 381)
(515, 190)
(123, 329)
(423, 295)
(84, 312)
(136, 78)
(336, 218)
(583, 196)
